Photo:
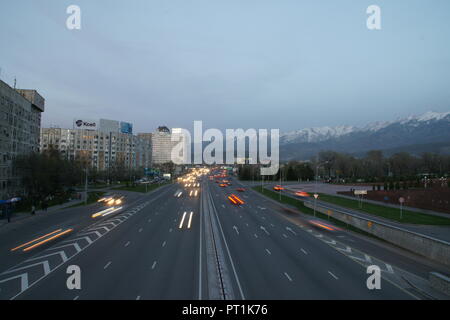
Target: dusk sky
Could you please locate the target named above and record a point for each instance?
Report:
(233, 64)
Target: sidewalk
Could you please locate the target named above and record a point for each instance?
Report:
(19, 216)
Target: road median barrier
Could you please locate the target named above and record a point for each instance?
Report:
(440, 282)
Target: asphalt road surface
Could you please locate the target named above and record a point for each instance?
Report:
(167, 245)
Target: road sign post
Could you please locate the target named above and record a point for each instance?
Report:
(401, 200)
(360, 194)
(315, 200)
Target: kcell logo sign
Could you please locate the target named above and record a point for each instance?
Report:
(85, 124)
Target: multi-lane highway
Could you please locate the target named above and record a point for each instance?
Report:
(189, 241)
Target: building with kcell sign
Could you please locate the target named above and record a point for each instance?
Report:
(88, 124)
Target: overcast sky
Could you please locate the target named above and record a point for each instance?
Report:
(247, 63)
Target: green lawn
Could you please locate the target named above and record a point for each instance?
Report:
(141, 187)
(386, 212)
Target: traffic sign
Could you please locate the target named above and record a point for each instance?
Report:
(360, 192)
(401, 199)
(316, 195)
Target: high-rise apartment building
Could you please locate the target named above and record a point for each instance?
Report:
(20, 123)
(100, 149)
(161, 145)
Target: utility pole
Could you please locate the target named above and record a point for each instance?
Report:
(280, 183)
(86, 187)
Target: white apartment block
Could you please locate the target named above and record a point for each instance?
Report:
(99, 149)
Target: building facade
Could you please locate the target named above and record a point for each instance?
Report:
(99, 149)
(20, 123)
(161, 145)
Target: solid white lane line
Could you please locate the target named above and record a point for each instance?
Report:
(127, 244)
(163, 244)
(138, 298)
(170, 230)
(182, 220)
(190, 220)
(333, 275)
(304, 251)
(140, 230)
(153, 265)
(268, 251)
(106, 265)
(256, 236)
(287, 276)
(285, 236)
(76, 298)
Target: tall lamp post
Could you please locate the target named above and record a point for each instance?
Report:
(316, 195)
(86, 187)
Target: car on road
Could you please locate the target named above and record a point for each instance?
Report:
(223, 185)
(234, 199)
(278, 188)
(302, 194)
(111, 200)
(240, 189)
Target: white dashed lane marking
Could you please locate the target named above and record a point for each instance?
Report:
(287, 276)
(333, 275)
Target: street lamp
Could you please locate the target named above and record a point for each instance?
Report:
(317, 172)
(86, 187)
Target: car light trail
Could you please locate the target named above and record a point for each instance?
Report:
(182, 220)
(235, 199)
(47, 240)
(190, 220)
(232, 200)
(106, 212)
(114, 210)
(323, 225)
(37, 239)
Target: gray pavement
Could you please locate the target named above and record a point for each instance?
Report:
(156, 249)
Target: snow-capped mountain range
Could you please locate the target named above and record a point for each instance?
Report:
(430, 128)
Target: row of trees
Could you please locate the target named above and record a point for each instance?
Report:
(373, 167)
(47, 173)
(293, 170)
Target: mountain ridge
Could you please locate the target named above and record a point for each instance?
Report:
(427, 128)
